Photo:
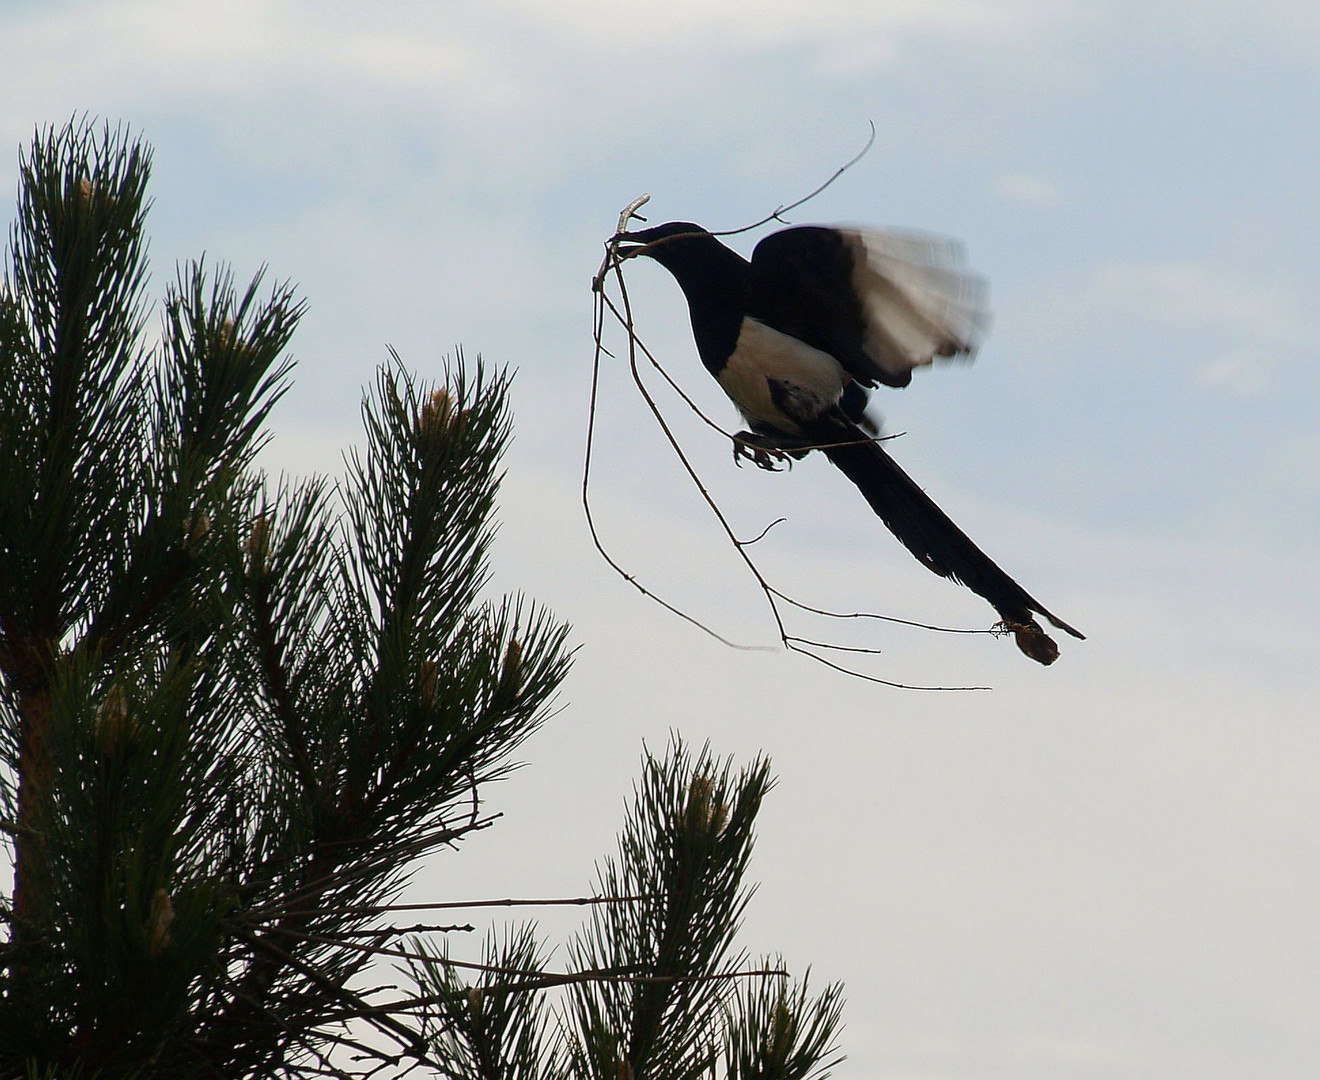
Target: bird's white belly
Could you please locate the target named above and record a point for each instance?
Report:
(813, 379)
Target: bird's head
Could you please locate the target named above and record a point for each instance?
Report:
(689, 252)
(673, 244)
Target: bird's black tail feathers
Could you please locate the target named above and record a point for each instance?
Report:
(927, 531)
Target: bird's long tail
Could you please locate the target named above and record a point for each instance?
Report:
(927, 531)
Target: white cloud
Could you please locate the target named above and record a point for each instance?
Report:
(1029, 188)
(1242, 370)
(752, 24)
(497, 52)
(1253, 321)
(1218, 25)
(151, 51)
(1192, 293)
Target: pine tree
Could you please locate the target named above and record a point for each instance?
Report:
(232, 717)
(656, 989)
(234, 714)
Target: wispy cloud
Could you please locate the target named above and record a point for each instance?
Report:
(749, 23)
(1032, 189)
(1253, 321)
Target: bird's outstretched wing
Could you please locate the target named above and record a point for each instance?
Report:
(882, 303)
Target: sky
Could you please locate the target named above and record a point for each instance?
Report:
(1104, 869)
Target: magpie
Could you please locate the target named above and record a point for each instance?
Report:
(798, 336)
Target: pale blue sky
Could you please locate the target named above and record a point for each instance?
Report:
(1106, 869)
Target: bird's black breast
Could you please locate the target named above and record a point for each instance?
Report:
(715, 329)
(714, 280)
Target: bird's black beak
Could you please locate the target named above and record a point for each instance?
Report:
(626, 246)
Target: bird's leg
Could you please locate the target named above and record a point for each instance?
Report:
(769, 452)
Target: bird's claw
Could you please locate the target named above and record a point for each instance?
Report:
(1030, 638)
(760, 452)
(769, 460)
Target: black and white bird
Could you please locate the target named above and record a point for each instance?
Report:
(800, 335)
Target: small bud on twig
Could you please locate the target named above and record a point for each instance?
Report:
(427, 684)
(437, 413)
(782, 1031)
(112, 719)
(227, 340)
(258, 543)
(162, 914)
(511, 668)
(699, 801)
(195, 528)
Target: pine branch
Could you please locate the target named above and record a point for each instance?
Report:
(233, 716)
(229, 723)
(778, 1032)
(685, 844)
(72, 315)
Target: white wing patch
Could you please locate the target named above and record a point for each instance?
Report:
(813, 379)
(919, 298)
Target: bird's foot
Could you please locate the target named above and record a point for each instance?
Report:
(1031, 639)
(764, 451)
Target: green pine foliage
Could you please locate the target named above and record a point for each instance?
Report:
(656, 989)
(781, 1032)
(234, 714)
(231, 718)
(685, 846)
(499, 1026)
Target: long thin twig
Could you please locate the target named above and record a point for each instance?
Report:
(529, 978)
(304, 1037)
(415, 928)
(408, 1040)
(548, 980)
(611, 267)
(735, 437)
(445, 905)
(599, 320)
(881, 618)
(778, 214)
(787, 639)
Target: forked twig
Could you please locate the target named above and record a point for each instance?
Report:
(881, 618)
(611, 266)
(599, 320)
(778, 214)
(443, 905)
(531, 978)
